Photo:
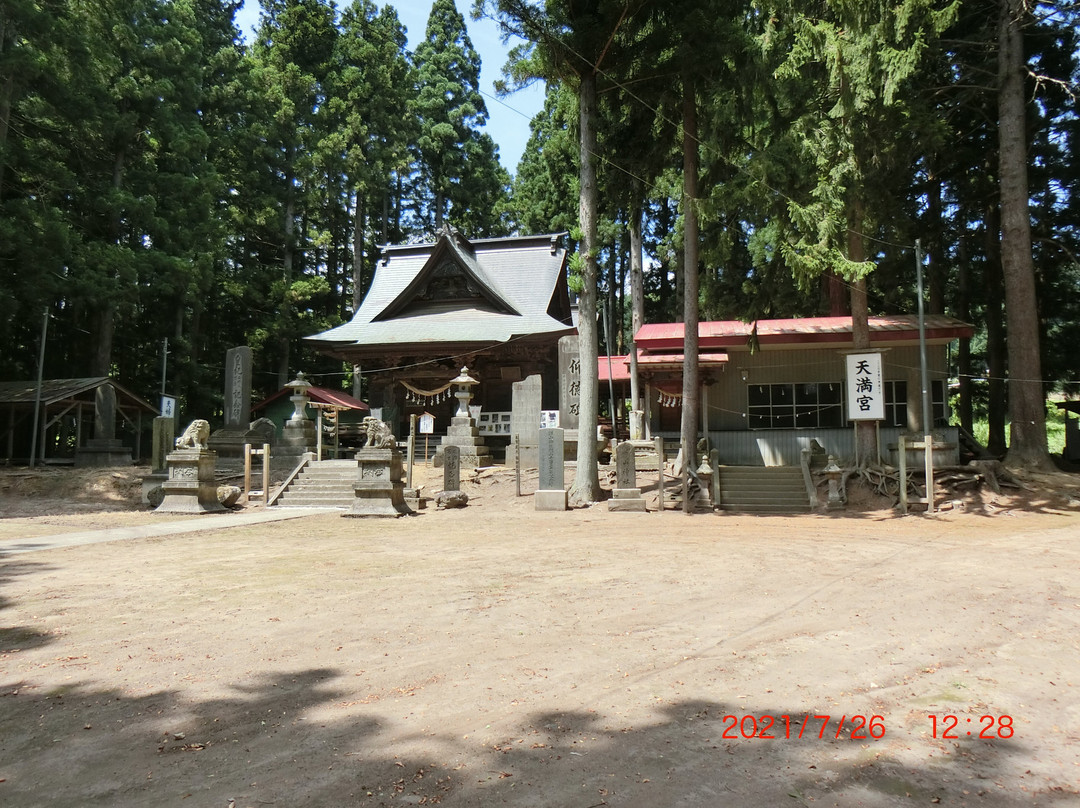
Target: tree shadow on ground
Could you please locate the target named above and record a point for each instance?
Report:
(19, 638)
(275, 740)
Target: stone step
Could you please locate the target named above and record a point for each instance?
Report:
(760, 489)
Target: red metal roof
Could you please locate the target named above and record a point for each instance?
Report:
(620, 368)
(620, 365)
(804, 330)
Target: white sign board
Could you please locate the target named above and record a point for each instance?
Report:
(549, 419)
(865, 387)
(168, 407)
(427, 423)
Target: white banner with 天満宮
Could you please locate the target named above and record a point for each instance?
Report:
(865, 387)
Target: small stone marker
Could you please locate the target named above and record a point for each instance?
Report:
(626, 496)
(452, 468)
(551, 495)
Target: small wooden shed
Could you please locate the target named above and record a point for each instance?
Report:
(66, 419)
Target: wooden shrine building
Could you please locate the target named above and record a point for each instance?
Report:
(496, 305)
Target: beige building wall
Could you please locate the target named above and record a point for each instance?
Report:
(727, 396)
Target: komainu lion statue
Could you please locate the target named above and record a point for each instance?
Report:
(378, 434)
(195, 436)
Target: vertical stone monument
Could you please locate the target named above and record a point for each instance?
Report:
(451, 469)
(626, 496)
(104, 449)
(191, 487)
(569, 383)
(451, 496)
(163, 443)
(526, 402)
(462, 431)
(230, 439)
(379, 489)
(551, 495)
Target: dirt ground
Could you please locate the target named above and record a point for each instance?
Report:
(494, 655)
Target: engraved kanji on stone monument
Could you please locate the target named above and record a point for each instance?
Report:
(569, 382)
(238, 387)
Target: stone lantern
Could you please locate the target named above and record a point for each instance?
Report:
(299, 398)
(462, 431)
(464, 383)
(833, 472)
(298, 437)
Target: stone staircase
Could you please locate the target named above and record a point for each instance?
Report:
(326, 484)
(763, 489)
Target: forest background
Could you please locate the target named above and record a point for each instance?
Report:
(161, 179)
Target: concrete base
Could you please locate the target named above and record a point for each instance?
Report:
(462, 432)
(152, 481)
(550, 500)
(191, 486)
(379, 490)
(102, 453)
(414, 500)
(626, 500)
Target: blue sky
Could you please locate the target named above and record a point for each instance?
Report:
(509, 118)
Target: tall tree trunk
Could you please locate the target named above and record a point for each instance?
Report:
(963, 355)
(288, 257)
(935, 246)
(836, 295)
(691, 385)
(586, 486)
(637, 295)
(997, 402)
(358, 254)
(7, 89)
(1027, 399)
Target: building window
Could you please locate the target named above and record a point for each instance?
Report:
(795, 406)
(896, 408)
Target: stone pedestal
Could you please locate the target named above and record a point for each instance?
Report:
(297, 437)
(104, 449)
(190, 486)
(103, 452)
(626, 496)
(379, 490)
(463, 433)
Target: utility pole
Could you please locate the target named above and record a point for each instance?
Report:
(927, 412)
(37, 396)
(164, 362)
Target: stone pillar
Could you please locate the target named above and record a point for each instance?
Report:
(191, 486)
(452, 469)
(379, 489)
(551, 495)
(104, 449)
(525, 421)
(569, 382)
(229, 440)
(626, 496)
(163, 443)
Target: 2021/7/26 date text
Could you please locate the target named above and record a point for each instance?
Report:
(809, 725)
